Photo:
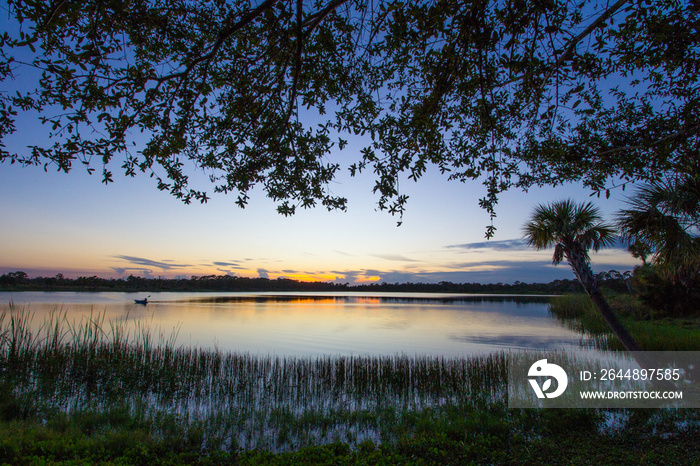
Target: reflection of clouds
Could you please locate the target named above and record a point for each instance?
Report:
(521, 341)
(394, 324)
(321, 324)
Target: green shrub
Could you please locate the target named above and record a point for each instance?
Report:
(667, 296)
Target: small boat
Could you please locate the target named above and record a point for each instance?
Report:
(143, 301)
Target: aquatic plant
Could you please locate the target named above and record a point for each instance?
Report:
(235, 399)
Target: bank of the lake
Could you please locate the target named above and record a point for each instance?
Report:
(488, 435)
(652, 333)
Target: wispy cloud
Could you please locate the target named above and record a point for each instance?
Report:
(394, 257)
(165, 265)
(525, 273)
(513, 245)
(477, 272)
(226, 264)
(133, 270)
(495, 264)
(503, 245)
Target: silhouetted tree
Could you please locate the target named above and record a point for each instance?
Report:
(663, 219)
(572, 230)
(259, 93)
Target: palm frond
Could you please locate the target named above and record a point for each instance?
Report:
(566, 224)
(663, 218)
(559, 254)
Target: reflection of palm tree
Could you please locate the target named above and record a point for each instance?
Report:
(572, 230)
(662, 220)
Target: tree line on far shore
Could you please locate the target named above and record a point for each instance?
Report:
(20, 281)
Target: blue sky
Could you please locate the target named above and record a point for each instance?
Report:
(73, 224)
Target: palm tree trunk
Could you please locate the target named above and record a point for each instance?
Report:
(609, 316)
(585, 276)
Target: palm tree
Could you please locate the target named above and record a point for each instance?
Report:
(573, 229)
(663, 219)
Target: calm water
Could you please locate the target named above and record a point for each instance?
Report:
(320, 323)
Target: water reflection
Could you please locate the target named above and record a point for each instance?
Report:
(315, 324)
(518, 341)
(379, 298)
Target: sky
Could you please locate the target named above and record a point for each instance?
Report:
(73, 224)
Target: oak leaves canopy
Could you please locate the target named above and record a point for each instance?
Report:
(510, 93)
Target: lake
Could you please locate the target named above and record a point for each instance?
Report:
(314, 324)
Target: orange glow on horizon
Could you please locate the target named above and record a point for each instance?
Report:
(370, 278)
(303, 277)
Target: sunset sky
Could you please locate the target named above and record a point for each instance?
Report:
(73, 224)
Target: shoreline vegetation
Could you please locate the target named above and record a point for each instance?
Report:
(651, 332)
(101, 391)
(20, 281)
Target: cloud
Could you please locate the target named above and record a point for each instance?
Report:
(394, 257)
(262, 273)
(479, 272)
(516, 245)
(133, 270)
(226, 264)
(149, 263)
(496, 265)
(502, 275)
(349, 276)
(503, 245)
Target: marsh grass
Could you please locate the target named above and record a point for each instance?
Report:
(102, 374)
(121, 392)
